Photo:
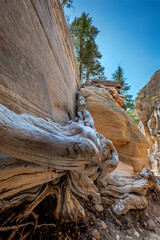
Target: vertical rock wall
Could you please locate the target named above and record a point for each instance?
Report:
(148, 108)
(38, 73)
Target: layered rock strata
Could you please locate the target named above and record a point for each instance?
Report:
(39, 157)
(65, 162)
(148, 109)
(112, 90)
(115, 124)
(38, 73)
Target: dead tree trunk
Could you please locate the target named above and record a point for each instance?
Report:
(41, 158)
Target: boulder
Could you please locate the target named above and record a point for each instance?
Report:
(115, 124)
(148, 109)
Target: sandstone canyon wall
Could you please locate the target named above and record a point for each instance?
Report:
(50, 173)
(39, 76)
(38, 73)
(148, 108)
(115, 124)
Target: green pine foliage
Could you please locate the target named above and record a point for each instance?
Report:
(118, 76)
(86, 51)
(67, 3)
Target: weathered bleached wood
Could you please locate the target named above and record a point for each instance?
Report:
(130, 201)
(68, 207)
(127, 193)
(27, 195)
(16, 176)
(23, 140)
(83, 186)
(137, 186)
(109, 153)
(42, 158)
(44, 151)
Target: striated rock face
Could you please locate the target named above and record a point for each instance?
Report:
(44, 165)
(109, 90)
(38, 73)
(148, 108)
(115, 124)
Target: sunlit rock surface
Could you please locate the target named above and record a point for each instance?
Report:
(148, 108)
(38, 73)
(115, 124)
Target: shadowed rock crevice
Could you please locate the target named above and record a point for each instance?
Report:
(148, 108)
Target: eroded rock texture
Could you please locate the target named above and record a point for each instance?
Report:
(38, 69)
(115, 124)
(67, 157)
(148, 108)
(41, 158)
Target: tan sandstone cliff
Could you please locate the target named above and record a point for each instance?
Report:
(38, 69)
(55, 180)
(148, 108)
(115, 124)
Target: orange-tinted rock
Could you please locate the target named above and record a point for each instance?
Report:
(115, 124)
(108, 89)
(37, 69)
(123, 169)
(96, 234)
(103, 225)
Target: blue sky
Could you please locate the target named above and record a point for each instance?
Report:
(129, 36)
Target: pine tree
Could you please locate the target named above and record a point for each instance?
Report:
(118, 76)
(86, 51)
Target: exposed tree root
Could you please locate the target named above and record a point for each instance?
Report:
(62, 162)
(3, 229)
(45, 193)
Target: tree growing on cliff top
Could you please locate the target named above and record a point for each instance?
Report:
(86, 50)
(67, 3)
(118, 76)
